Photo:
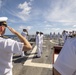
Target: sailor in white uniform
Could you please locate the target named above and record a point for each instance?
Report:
(41, 42)
(50, 36)
(58, 37)
(66, 61)
(24, 34)
(38, 44)
(8, 47)
(54, 36)
(64, 36)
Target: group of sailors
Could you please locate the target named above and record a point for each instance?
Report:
(39, 43)
(64, 35)
(38, 40)
(65, 56)
(54, 35)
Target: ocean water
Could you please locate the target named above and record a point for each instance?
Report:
(14, 37)
(9, 36)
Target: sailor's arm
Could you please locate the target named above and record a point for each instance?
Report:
(27, 45)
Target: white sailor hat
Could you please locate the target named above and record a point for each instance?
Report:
(3, 21)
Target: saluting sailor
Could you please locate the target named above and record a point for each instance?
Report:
(25, 35)
(9, 46)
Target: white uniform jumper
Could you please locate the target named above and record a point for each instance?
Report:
(50, 36)
(64, 36)
(66, 61)
(7, 48)
(58, 37)
(24, 34)
(41, 42)
(38, 45)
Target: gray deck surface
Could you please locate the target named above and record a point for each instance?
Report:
(29, 69)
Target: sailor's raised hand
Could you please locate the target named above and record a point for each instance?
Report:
(12, 30)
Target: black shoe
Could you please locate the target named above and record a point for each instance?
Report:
(36, 53)
(36, 56)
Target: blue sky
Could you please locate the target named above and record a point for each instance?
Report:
(39, 15)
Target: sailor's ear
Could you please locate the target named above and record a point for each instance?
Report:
(0, 28)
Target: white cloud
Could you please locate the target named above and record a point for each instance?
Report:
(21, 27)
(74, 25)
(45, 21)
(47, 28)
(29, 27)
(63, 11)
(55, 29)
(25, 10)
(25, 7)
(26, 27)
(70, 24)
(31, 0)
(48, 25)
(12, 21)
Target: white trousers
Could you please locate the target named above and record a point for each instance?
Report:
(9, 73)
(38, 51)
(41, 47)
(23, 54)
